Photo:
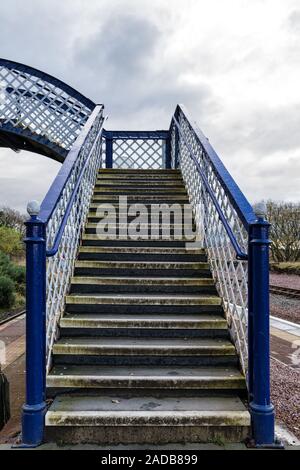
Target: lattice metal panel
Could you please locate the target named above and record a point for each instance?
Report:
(140, 154)
(60, 266)
(229, 274)
(36, 102)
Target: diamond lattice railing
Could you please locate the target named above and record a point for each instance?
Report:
(139, 150)
(139, 154)
(36, 103)
(230, 274)
(75, 198)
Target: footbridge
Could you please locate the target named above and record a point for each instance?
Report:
(137, 335)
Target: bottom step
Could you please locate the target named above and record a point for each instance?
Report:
(146, 420)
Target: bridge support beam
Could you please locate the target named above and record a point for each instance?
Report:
(34, 408)
(261, 408)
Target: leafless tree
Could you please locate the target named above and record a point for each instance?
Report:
(12, 218)
(285, 230)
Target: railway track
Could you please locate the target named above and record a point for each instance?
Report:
(286, 291)
(12, 317)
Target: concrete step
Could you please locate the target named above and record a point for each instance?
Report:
(145, 225)
(140, 180)
(144, 230)
(142, 268)
(128, 171)
(144, 321)
(179, 190)
(93, 284)
(141, 183)
(90, 239)
(145, 176)
(142, 198)
(112, 346)
(150, 206)
(152, 218)
(139, 377)
(146, 420)
(153, 250)
(149, 303)
(208, 325)
(132, 299)
(136, 253)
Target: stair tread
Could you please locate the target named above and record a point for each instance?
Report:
(174, 373)
(141, 299)
(147, 411)
(165, 264)
(174, 317)
(148, 340)
(140, 250)
(145, 280)
(143, 320)
(174, 181)
(137, 345)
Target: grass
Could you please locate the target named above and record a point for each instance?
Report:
(286, 267)
(18, 305)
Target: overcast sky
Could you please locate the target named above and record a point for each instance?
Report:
(234, 63)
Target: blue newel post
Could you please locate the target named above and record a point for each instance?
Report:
(35, 405)
(261, 408)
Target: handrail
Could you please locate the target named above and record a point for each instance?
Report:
(52, 197)
(237, 198)
(239, 252)
(55, 246)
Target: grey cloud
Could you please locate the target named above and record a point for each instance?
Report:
(265, 131)
(122, 46)
(119, 54)
(293, 21)
(124, 70)
(24, 177)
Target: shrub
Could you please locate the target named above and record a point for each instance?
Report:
(6, 266)
(18, 274)
(10, 241)
(7, 292)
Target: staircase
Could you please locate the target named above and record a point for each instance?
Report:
(144, 355)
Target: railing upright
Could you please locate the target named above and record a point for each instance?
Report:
(261, 408)
(35, 402)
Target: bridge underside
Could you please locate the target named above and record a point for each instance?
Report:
(38, 112)
(42, 146)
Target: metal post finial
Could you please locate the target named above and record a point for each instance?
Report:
(260, 209)
(33, 208)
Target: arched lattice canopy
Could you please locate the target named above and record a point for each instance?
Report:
(38, 112)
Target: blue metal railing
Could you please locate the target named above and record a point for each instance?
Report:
(136, 149)
(239, 252)
(237, 243)
(53, 233)
(235, 237)
(38, 112)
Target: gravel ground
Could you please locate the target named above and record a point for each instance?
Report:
(285, 280)
(283, 307)
(285, 386)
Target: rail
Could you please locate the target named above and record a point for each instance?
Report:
(236, 240)
(52, 238)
